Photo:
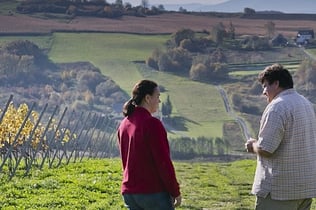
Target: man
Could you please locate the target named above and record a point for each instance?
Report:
(285, 176)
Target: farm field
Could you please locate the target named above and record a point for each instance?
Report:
(113, 45)
(157, 24)
(114, 53)
(95, 184)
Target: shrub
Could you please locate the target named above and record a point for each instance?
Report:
(198, 71)
(106, 88)
(164, 63)
(255, 43)
(89, 80)
(182, 34)
(151, 62)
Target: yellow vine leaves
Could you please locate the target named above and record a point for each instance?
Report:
(12, 122)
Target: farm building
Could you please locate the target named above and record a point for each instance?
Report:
(304, 36)
(279, 40)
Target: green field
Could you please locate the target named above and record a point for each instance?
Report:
(7, 6)
(199, 105)
(43, 42)
(94, 184)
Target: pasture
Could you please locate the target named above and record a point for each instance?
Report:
(199, 105)
(95, 184)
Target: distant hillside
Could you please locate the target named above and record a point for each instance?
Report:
(291, 6)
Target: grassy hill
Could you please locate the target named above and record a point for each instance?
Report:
(95, 184)
(198, 108)
(199, 105)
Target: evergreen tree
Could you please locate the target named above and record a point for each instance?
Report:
(166, 108)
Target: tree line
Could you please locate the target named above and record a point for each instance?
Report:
(96, 8)
(201, 147)
(203, 56)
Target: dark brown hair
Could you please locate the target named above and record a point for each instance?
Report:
(140, 90)
(276, 72)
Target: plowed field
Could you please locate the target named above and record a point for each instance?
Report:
(165, 23)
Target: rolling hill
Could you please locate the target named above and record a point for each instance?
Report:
(290, 6)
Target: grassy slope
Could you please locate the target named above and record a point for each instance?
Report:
(95, 184)
(198, 105)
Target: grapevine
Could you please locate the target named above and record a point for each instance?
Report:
(12, 122)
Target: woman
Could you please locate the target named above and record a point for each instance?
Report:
(149, 180)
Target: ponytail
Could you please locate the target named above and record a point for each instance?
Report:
(128, 107)
(140, 90)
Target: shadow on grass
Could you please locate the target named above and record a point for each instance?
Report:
(177, 123)
(190, 207)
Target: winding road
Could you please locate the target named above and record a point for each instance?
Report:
(230, 111)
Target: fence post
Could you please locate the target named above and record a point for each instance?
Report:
(79, 136)
(10, 149)
(41, 141)
(88, 141)
(51, 139)
(28, 142)
(70, 142)
(58, 149)
(6, 107)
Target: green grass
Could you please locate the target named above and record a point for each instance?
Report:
(199, 105)
(95, 184)
(7, 6)
(291, 66)
(86, 185)
(112, 53)
(43, 42)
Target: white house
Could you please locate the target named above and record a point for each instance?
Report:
(304, 36)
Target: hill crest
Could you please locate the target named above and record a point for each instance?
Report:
(291, 6)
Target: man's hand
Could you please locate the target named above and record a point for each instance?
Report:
(177, 201)
(249, 145)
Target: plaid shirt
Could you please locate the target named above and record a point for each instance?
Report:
(288, 130)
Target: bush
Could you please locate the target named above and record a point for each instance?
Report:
(187, 44)
(198, 72)
(182, 34)
(89, 80)
(106, 88)
(255, 43)
(151, 62)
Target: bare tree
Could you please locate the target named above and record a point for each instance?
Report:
(270, 28)
(218, 33)
(231, 30)
(145, 3)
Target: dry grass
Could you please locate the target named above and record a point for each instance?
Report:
(165, 23)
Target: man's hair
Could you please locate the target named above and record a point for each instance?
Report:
(276, 72)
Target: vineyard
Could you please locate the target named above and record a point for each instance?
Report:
(34, 139)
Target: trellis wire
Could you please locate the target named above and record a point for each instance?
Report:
(84, 140)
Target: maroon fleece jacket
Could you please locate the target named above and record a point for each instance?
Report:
(145, 153)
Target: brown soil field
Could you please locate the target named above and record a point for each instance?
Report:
(164, 23)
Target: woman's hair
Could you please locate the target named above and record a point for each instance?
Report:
(276, 72)
(140, 90)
